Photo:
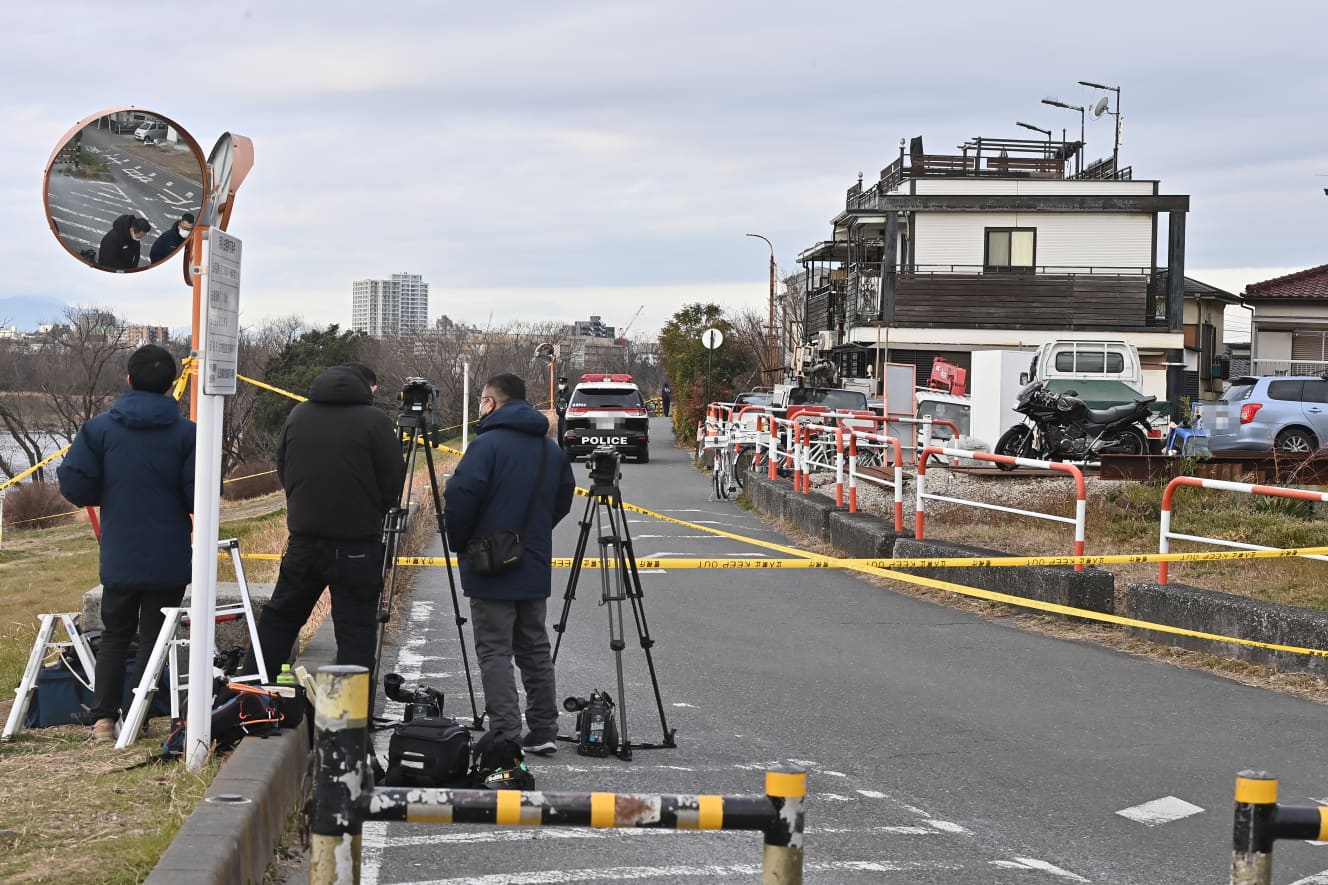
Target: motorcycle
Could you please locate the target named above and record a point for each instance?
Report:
(1061, 426)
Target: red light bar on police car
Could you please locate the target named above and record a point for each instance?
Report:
(590, 379)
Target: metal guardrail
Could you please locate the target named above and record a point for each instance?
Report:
(343, 798)
(1080, 492)
(1168, 499)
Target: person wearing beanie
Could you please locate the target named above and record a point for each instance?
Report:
(135, 462)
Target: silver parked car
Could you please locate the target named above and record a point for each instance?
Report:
(1283, 413)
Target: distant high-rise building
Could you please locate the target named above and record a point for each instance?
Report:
(390, 307)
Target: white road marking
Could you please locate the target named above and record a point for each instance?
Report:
(1029, 863)
(946, 826)
(681, 704)
(558, 877)
(1316, 879)
(1160, 811)
(870, 794)
(829, 773)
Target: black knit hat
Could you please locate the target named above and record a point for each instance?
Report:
(152, 368)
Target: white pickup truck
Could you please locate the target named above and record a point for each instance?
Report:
(1105, 372)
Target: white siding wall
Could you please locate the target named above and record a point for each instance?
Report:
(1069, 239)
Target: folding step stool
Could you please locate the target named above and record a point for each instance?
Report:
(45, 643)
(166, 651)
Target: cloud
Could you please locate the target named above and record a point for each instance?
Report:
(584, 148)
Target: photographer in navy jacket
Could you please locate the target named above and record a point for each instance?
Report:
(490, 491)
(136, 462)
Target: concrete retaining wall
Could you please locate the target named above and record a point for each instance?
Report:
(1208, 611)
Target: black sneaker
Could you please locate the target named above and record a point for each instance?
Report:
(540, 747)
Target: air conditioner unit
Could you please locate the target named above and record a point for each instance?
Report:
(827, 340)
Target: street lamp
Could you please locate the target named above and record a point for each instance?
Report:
(770, 331)
(1115, 147)
(1079, 161)
(1046, 132)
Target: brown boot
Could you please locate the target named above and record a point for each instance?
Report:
(103, 732)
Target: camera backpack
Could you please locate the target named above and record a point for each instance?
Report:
(433, 752)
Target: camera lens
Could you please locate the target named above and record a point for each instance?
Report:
(573, 704)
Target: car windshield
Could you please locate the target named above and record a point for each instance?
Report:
(955, 413)
(1239, 390)
(606, 398)
(752, 399)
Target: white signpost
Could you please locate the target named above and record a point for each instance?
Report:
(219, 336)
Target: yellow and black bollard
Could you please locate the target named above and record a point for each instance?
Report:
(1260, 821)
(341, 719)
(786, 788)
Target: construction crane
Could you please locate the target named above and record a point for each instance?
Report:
(622, 337)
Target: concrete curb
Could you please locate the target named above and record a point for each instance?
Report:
(862, 535)
(234, 842)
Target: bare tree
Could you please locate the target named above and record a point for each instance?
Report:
(83, 367)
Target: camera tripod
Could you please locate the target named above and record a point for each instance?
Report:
(604, 505)
(412, 421)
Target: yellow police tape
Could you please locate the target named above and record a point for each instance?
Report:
(884, 568)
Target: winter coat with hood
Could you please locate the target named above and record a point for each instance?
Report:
(491, 489)
(119, 250)
(136, 462)
(339, 460)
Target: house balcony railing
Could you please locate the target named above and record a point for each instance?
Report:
(1121, 299)
(1288, 367)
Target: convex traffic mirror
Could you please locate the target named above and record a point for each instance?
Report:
(123, 188)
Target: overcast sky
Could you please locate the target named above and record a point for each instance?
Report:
(538, 160)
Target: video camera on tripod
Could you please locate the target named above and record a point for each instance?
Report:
(418, 397)
(605, 465)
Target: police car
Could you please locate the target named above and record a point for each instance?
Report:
(607, 410)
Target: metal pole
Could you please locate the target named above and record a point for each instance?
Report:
(709, 353)
(341, 722)
(786, 788)
(1115, 148)
(465, 403)
(1252, 835)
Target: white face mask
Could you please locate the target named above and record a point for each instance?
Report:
(184, 231)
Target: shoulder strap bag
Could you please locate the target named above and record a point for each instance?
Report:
(500, 552)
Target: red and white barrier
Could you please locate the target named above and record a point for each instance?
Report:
(1080, 488)
(1168, 496)
(853, 474)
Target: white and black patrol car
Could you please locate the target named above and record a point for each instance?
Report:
(607, 410)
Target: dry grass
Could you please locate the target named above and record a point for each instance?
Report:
(1123, 518)
(75, 814)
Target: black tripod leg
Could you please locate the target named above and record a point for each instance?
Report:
(577, 558)
(394, 525)
(451, 583)
(632, 581)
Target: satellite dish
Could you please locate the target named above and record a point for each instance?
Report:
(1100, 108)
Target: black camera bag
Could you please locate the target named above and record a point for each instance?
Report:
(500, 552)
(431, 752)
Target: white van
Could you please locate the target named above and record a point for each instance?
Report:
(151, 132)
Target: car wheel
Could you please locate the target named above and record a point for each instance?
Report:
(1296, 441)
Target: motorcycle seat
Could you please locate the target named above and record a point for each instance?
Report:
(1112, 414)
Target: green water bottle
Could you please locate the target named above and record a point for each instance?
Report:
(285, 677)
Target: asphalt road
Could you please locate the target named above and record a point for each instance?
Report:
(84, 208)
(941, 747)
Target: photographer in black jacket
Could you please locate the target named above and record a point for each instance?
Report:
(340, 462)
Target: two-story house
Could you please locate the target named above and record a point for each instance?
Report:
(1001, 246)
(1289, 325)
